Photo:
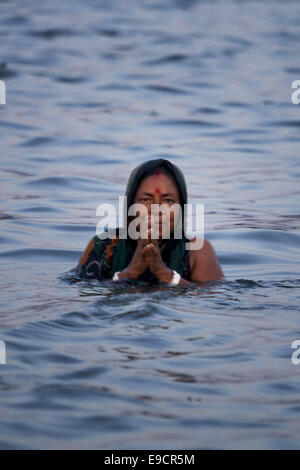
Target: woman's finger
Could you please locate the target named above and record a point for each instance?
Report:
(150, 251)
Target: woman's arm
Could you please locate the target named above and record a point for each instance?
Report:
(166, 275)
(204, 265)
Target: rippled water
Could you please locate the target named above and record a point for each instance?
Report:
(92, 91)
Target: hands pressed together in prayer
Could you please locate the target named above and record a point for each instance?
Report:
(147, 255)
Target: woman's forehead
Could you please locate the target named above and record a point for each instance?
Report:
(157, 182)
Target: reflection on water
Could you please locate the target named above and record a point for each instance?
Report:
(91, 93)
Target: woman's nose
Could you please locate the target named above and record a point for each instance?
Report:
(154, 208)
(157, 199)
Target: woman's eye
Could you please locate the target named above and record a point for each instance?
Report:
(145, 199)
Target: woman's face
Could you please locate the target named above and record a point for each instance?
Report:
(158, 189)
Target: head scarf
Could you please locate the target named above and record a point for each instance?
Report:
(173, 253)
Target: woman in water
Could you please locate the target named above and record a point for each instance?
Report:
(152, 259)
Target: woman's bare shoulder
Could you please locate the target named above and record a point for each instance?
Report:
(203, 261)
(200, 247)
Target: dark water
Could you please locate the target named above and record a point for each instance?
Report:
(93, 89)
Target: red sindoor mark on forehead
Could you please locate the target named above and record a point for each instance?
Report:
(157, 173)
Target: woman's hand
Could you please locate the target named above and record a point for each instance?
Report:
(152, 255)
(147, 254)
(138, 263)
